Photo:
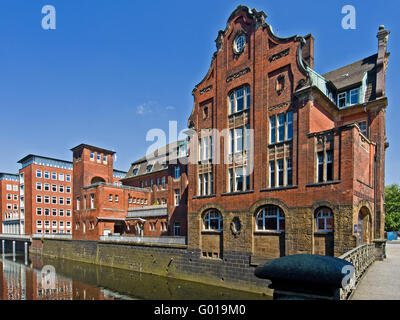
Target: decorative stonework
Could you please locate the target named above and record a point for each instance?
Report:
(236, 226)
(237, 74)
(279, 55)
(279, 106)
(209, 88)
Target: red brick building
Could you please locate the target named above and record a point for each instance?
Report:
(164, 174)
(301, 164)
(9, 203)
(45, 195)
(100, 201)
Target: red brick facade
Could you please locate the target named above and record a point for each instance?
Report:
(9, 203)
(46, 195)
(319, 159)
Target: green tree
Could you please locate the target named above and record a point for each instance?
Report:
(392, 199)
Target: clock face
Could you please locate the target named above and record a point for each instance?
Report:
(240, 43)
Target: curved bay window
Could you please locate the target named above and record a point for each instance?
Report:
(212, 221)
(324, 220)
(239, 99)
(270, 218)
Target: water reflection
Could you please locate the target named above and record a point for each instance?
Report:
(43, 278)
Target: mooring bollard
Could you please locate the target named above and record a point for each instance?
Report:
(306, 277)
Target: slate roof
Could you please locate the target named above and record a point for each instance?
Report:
(352, 75)
(158, 159)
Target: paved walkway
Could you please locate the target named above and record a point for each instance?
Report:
(382, 281)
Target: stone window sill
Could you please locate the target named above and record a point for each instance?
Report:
(211, 232)
(236, 193)
(266, 233)
(205, 197)
(278, 189)
(321, 184)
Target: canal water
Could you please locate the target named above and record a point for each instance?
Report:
(44, 278)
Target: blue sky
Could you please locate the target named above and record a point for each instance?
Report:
(114, 69)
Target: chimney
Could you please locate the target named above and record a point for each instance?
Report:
(382, 61)
(308, 50)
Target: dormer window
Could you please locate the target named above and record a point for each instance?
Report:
(149, 168)
(135, 172)
(348, 98)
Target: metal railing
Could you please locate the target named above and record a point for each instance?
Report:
(52, 236)
(361, 257)
(155, 240)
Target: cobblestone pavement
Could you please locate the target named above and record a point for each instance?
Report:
(382, 281)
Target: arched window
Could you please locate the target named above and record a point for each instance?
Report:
(239, 99)
(270, 218)
(213, 221)
(324, 220)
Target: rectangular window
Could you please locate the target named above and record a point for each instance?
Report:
(61, 188)
(78, 203)
(248, 99)
(46, 187)
(92, 201)
(342, 101)
(47, 199)
(289, 172)
(54, 187)
(239, 100)
(281, 127)
(320, 167)
(68, 178)
(239, 139)
(289, 125)
(38, 211)
(354, 96)
(201, 186)
(61, 212)
(272, 174)
(38, 173)
(54, 200)
(105, 159)
(280, 172)
(329, 166)
(54, 175)
(177, 172)
(231, 189)
(38, 199)
(117, 197)
(177, 197)
(47, 212)
(68, 201)
(110, 198)
(238, 179)
(91, 156)
(232, 102)
(68, 189)
(54, 212)
(272, 130)
(15, 197)
(47, 175)
(61, 200)
(363, 127)
(177, 229)
(38, 186)
(68, 214)
(231, 141)
(15, 188)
